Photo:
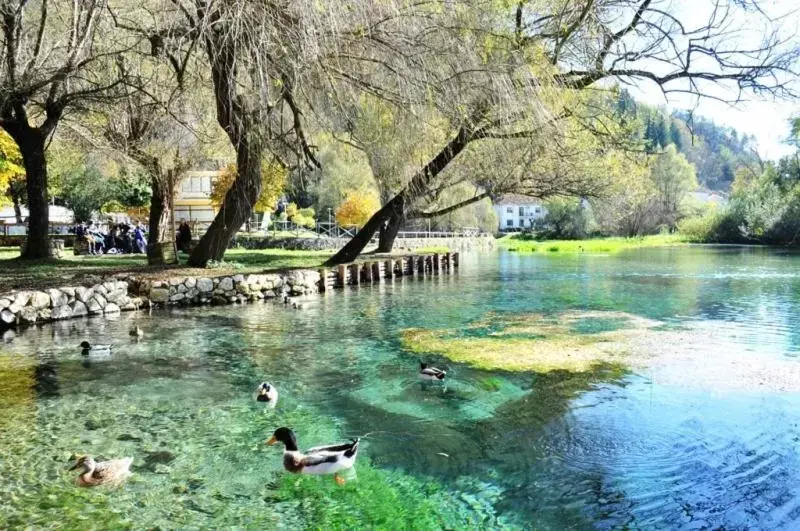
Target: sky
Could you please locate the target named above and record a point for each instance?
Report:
(767, 119)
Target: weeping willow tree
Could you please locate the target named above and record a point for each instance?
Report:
(518, 85)
(500, 95)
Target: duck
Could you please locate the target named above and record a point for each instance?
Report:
(431, 374)
(267, 393)
(136, 332)
(94, 473)
(297, 305)
(88, 348)
(320, 460)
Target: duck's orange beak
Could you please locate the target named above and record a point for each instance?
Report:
(272, 440)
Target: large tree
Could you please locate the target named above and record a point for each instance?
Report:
(51, 60)
(522, 73)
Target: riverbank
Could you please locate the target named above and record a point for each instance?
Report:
(111, 294)
(43, 274)
(524, 243)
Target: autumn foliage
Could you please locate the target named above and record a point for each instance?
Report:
(357, 208)
(273, 178)
(11, 168)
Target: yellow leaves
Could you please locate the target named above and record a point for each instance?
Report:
(273, 180)
(11, 167)
(357, 208)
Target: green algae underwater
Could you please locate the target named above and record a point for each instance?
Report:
(635, 431)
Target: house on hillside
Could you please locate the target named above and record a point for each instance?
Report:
(517, 212)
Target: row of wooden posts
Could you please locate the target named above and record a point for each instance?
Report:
(374, 271)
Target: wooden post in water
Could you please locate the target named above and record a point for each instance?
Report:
(389, 269)
(355, 279)
(342, 275)
(436, 263)
(367, 271)
(421, 266)
(323, 280)
(376, 272)
(455, 260)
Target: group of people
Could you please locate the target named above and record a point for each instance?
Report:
(120, 238)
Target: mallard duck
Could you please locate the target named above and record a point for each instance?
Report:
(431, 373)
(136, 332)
(88, 348)
(114, 471)
(318, 460)
(267, 393)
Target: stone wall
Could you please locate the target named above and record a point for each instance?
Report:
(228, 289)
(28, 307)
(124, 293)
(462, 244)
(19, 308)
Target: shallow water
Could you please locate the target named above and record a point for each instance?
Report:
(488, 450)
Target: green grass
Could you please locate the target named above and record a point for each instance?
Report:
(524, 244)
(17, 274)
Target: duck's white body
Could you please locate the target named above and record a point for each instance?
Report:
(342, 461)
(267, 393)
(431, 374)
(112, 472)
(320, 460)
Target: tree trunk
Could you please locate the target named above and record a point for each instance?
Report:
(353, 248)
(389, 232)
(15, 197)
(159, 210)
(31, 145)
(418, 185)
(236, 207)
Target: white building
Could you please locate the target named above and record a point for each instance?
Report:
(193, 199)
(517, 212)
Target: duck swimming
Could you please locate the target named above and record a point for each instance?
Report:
(319, 460)
(95, 473)
(267, 393)
(88, 348)
(136, 332)
(431, 374)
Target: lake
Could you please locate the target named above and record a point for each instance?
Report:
(694, 424)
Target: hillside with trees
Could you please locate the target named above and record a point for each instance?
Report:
(716, 152)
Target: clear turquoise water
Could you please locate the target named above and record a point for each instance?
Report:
(489, 450)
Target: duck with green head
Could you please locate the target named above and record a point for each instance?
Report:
(320, 460)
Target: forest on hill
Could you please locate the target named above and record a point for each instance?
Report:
(715, 151)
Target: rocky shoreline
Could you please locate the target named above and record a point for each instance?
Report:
(125, 292)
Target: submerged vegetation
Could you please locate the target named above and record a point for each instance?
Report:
(573, 341)
(527, 244)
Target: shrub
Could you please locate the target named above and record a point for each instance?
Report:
(701, 229)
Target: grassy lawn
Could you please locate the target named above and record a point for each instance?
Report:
(16, 274)
(524, 244)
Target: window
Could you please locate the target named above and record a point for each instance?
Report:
(509, 223)
(510, 210)
(537, 210)
(521, 211)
